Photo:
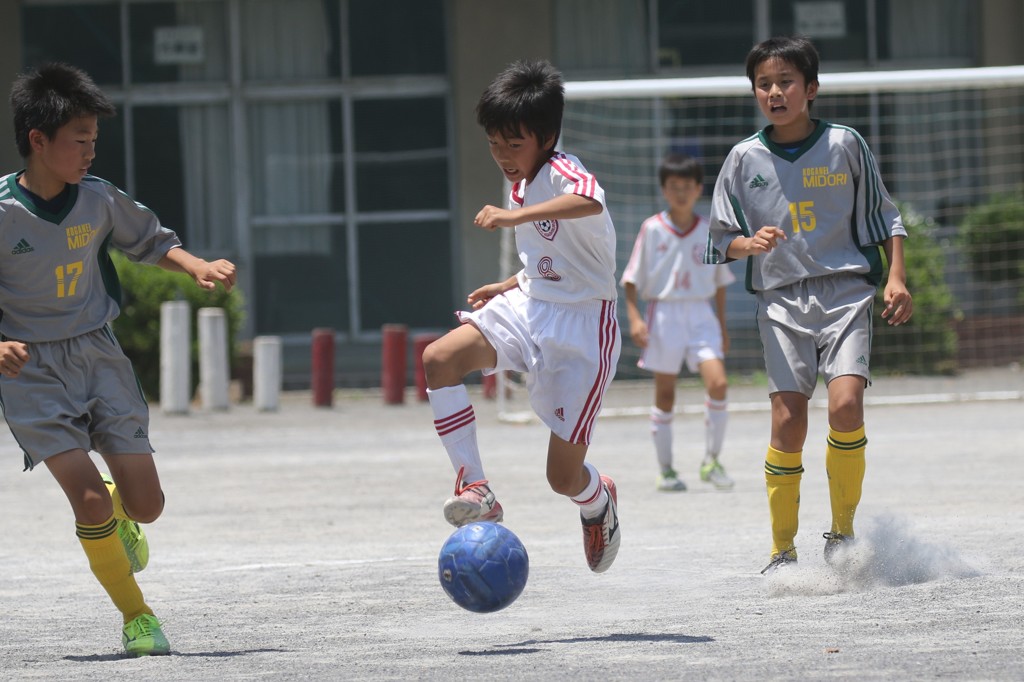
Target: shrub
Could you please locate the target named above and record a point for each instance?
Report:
(144, 288)
(993, 235)
(928, 343)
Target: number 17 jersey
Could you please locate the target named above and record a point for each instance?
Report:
(827, 195)
(56, 278)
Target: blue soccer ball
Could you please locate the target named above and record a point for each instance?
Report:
(483, 567)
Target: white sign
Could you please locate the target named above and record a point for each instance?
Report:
(178, 45)
(820, 19)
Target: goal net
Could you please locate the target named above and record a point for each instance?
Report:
(950, 145)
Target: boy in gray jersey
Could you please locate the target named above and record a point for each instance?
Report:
(66, 387)
(803, 201)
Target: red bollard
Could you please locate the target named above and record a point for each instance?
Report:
(490, 385)
(323, 367)
(392, 369)
(419, 344)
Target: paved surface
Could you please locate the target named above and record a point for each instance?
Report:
(303, 544)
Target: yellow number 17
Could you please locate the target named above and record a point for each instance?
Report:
(802, 215)
(71, 271)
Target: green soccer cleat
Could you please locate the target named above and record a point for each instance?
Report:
(143, 637)
(711, 471)
(136, 546)
(669, 481)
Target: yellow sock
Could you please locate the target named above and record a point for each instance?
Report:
(109, 564)
(844, 462)
(782, 474)
(115, 497)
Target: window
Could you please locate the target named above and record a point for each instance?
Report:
(87, 35)
(693, 33)
(393, 37)
(178, 41)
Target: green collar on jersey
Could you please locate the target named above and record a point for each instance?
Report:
(26, 201)
(782, 152)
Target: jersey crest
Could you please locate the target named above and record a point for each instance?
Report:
(547, 228)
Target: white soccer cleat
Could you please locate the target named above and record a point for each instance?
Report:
(472, 502)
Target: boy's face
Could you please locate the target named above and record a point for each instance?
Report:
(681, 193)
(69, 153)
(782, 93)
(519, 158)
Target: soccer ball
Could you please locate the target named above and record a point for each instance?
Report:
(483, 567)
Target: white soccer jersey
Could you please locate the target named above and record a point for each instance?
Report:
(667, 262)
(827, 196)
(565, 261)
(56, 278)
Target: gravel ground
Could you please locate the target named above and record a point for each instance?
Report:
(303, 543)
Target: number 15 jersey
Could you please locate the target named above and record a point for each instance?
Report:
(56, 278)
(827, 196)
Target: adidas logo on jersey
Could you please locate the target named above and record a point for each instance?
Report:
(21, 247)
(862, 361)
(139, 433)
(758, 181)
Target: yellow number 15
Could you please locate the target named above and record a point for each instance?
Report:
(67, 278)
(802, 215)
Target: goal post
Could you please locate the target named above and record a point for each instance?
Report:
(950, 145)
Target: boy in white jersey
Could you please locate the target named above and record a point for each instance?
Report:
(554, 320)
(65, 385)
(804, 203)
(666, 269)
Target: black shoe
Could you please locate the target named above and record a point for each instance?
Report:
(779, 560)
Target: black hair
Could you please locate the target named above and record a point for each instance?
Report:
(528, 95)
(796, 50)
(45, 98)
(680, 165)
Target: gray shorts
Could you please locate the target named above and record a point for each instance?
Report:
(818, 325)
(77, 393)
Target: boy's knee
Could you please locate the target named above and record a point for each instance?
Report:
(563, 484)
(147, 510)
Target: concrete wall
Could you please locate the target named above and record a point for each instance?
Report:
(485, 36)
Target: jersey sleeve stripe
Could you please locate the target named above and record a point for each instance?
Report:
(583, 183)
(873, 214)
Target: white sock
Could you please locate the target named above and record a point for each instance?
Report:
(716, 416)
(455, 423)
(593, 498)
(661, 431)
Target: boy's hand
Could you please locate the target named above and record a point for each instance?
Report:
(479, 298)
(13, 356)
(491, 217)
(207, 274)
(766, 239)
(639, 333)
(899, 306)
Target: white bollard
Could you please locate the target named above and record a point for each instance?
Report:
(213, 358)
(266, 372)
(175, 360)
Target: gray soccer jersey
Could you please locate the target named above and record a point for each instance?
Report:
(56, 279)
(827, 196)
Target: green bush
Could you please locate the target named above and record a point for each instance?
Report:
(144, 288)
(927, 344)
(993, 236)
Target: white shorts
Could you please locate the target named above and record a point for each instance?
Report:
(568, 350)
(677, 331)
(818, 325)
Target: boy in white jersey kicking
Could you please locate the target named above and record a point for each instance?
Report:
(666, 269)
(65, 385)
(554, 320)
(804, 203)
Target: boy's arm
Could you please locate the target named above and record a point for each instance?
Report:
(899, 305)
(13, 356)
(479, 298)
(562, 207)
(763, 241)
(205, 274)
(720, 312)
(637, 326)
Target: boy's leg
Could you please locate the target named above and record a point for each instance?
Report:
(661, 430)
(446, 362)
(137, 497)
(844, 453)
(716, 417)
(783, 469)
(96, 529)
(594, 494)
